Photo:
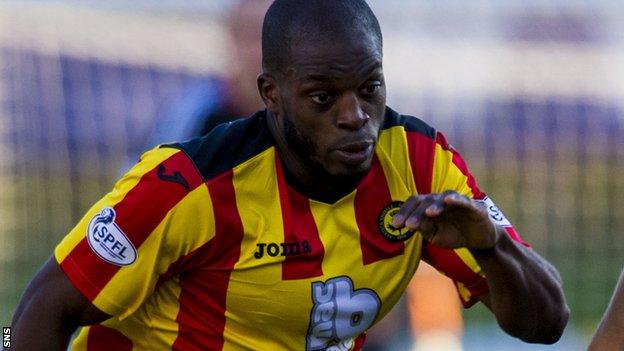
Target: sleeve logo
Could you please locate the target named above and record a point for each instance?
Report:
(496, 215)
(108, 241)
(340, 314)
(384, 223)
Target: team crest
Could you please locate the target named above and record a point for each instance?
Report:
(108, 241)
(384, 223)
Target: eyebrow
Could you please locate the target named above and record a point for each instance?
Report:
(318, 77)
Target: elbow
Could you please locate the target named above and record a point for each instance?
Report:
(546, 329)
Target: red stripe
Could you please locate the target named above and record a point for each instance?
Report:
(300, 230)
(359, 342)
(371, 197)
(513, 234)
(138, 214)
(101, 338)
(447, 261)
(201, 317)
(421, 154)
(463, 167)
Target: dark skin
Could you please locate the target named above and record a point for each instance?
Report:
(330, 100)
(525, 295)
(609, 335)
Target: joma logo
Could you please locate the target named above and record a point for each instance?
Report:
(292, 248)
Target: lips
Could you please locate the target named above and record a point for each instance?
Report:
(355, 153)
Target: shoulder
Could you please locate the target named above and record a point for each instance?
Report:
(408, 123)
(227, 146)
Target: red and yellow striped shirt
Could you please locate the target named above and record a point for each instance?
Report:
(204, 246)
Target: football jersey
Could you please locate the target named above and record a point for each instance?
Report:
(204, 245)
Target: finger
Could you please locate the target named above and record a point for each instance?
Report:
(434, 209)
(398, 220)
(427, 228)
(453, 199)
(432, 203)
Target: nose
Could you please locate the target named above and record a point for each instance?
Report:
(350, 113)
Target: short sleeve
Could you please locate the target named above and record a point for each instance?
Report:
(125, 242)
(450, 172)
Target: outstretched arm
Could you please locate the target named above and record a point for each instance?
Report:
(50, 311)
(525, 290)
(610, 332)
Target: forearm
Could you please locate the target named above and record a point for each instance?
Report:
(38, 325)
(525, 291)
(610, 332)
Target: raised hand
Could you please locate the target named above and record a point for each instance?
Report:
(448, 220)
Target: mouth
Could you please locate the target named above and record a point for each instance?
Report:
(355, 153)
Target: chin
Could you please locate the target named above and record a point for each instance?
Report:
(345, 171)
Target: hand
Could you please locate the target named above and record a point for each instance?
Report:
(448, 220)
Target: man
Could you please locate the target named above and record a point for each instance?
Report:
(610, 333)
(296, 228)
(201, 108)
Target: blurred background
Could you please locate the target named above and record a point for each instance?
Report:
(530, 92)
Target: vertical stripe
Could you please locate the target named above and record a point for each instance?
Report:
(453, 266)
(300, 233)
(101, 338)
(511, 231)
(138, 214)
(459, 162)
(421, 150)
(149, 160)
(371, 197)
(204, 290)
(359, 342)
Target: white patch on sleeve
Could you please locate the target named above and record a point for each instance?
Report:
(496, 215)
(108, 241)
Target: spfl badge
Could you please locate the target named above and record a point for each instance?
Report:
(384, 223)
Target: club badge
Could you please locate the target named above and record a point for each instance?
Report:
(384, 223)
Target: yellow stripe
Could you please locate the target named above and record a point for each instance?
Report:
(80, 342)
(464, 293)
(392, 152)
(252, 279)
(187, 226)
(164, 311)
(149, 160)
(154, 327)
(469, 260)
(446, 175)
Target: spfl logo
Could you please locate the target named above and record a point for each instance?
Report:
(108, 241)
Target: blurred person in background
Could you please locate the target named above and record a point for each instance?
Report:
(494, 247)
(434, 321)
(609, 335)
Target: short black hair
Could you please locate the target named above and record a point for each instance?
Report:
(288, 20)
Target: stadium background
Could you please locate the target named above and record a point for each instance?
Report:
(531, 92)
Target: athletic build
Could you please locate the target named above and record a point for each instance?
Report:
(296, 229)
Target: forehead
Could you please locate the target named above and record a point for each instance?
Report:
(333, 58)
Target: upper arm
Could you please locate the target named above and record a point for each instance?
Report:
(128, 240)
(51, 292)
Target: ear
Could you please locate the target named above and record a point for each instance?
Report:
(267, 87)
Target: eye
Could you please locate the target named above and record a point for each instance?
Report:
(372, 88)
(322, 98)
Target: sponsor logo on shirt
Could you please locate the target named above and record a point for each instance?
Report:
(340, 314)
(293, 248)
(108, 241)
(174, 177)
(384, 223)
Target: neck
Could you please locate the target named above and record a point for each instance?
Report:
(308, 182)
